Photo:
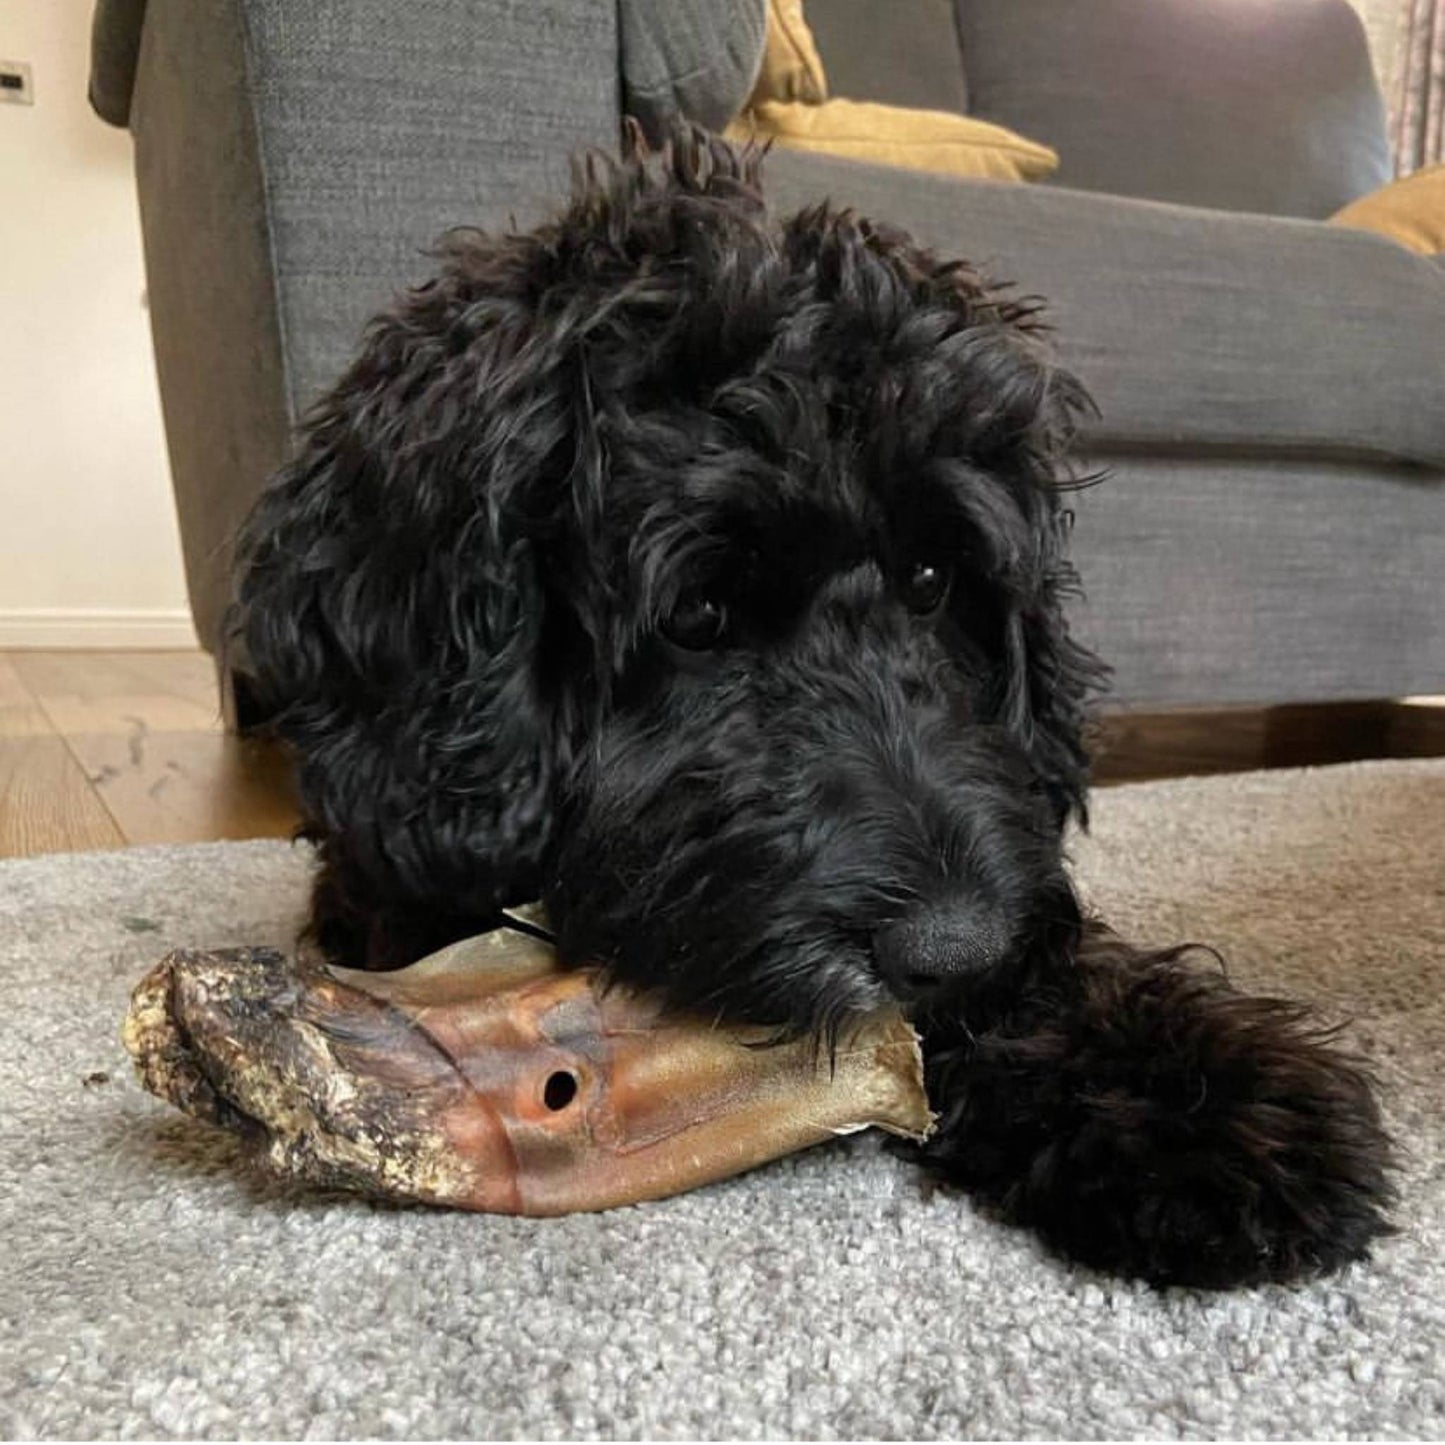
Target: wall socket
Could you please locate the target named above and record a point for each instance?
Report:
(16, 86)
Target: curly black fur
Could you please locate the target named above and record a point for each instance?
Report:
(703, 575)
(1145, 1117)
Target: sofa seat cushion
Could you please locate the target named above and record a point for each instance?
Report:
(1191, 328)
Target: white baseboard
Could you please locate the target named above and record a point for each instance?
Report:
(158, 629)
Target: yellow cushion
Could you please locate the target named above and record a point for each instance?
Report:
(894, 135)
(792, 69)
(1410, 211)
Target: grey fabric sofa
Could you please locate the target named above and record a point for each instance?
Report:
(1271, 388)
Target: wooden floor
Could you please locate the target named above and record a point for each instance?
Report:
(104, 749)
(98, 750)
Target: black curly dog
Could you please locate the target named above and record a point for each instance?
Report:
(701, 574)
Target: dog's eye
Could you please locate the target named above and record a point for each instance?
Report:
(696, 623)
(925, 586)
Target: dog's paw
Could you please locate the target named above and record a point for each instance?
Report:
(1163, 1125)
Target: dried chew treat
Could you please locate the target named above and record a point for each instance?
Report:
(485, 1078)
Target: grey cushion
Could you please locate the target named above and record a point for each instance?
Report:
(1193, 329)
(1269, 105)
(900, 52)
(696, 57)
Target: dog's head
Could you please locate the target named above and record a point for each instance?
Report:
(700, 573)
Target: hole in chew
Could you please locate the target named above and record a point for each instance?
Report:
(559, 1090)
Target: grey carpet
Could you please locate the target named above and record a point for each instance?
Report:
(148, 1287)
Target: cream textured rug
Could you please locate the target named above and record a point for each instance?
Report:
(151, 1288)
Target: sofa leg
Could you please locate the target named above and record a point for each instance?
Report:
(241, 710)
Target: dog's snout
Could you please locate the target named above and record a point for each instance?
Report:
(939, 944)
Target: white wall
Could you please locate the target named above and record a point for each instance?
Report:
(89, 546)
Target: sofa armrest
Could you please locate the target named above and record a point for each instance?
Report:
(294, 163)
(115, 31)
(1192, 328)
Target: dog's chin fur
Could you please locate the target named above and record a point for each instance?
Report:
(702, 574)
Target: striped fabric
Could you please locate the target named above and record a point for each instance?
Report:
(1419, 101)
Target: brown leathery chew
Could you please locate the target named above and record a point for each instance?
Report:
(485, 1078)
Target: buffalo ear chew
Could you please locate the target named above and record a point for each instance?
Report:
(483, 1077)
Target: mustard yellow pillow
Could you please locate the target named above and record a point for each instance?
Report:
(1410, 211)
(792, 68)
(895, 135)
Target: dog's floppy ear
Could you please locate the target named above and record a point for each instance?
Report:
(1050, 679)
(1049, 676)
(1021, 411)
(389, 603)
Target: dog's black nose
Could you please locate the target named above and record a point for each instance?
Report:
(939, 944)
